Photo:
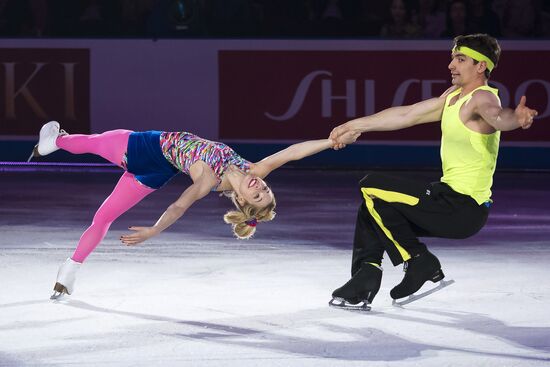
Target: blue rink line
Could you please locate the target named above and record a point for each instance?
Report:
(364, 156)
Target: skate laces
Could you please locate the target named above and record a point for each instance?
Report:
(405, 266)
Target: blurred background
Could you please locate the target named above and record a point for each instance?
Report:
(260, 74)
(274, 18)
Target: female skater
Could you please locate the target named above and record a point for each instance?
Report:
(152, 158)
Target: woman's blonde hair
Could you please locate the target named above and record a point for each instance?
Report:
(243, 221)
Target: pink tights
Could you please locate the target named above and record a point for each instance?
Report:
(110, 145)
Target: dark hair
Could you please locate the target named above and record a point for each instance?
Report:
(482, 43)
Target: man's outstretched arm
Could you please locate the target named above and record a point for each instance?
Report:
(488, 107)
(393, 118)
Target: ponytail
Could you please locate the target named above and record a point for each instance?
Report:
(243, 220)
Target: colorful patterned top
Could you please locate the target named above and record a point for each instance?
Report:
(182, 149)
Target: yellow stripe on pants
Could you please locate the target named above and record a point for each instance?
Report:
(390, 197)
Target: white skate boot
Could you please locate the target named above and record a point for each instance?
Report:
(46, 141)
(66, 277)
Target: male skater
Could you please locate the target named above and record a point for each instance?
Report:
(395, 212)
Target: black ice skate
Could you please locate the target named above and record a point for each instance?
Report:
(359, 291)
(419, 269)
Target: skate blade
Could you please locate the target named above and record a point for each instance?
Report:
(57, 296)
(34, 153)
(59, 290)
(344, 305)
(415, 297)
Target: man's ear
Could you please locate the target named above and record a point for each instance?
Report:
(481, 67)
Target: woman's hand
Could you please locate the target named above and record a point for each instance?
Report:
(140, 234)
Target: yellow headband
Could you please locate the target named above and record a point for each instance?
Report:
(475, 55)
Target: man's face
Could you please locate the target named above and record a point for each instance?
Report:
(462, 68)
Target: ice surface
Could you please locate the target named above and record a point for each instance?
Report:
(194, 296)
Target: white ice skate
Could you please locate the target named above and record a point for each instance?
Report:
(46, 141)
(66, 277)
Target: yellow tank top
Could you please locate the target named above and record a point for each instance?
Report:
(469, 158)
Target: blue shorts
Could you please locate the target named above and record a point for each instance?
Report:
(146, 161)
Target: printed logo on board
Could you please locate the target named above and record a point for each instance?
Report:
(296, 95)
(38, 85)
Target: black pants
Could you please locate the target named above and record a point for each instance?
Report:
(395, 212)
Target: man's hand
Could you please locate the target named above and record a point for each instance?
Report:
(140, 234)
(339, 130)
(524, 114)
(343, 135)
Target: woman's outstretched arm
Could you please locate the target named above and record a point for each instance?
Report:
(292, 153)
(193, 193)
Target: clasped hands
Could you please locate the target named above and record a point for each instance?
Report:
(343, 135)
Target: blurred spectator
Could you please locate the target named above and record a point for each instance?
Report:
(179, 18)
(456, 19)
(134, 17)
(36, 23)
(545, 19)
(329, 9)
(284, 18)
(518, 19)
(64, 16)
(430, 16)
(230, 18)
(12, 15)
(399, 24)
(3, 16)
(91, 19)
(372, 15)
(482, 18)
(274, 18)
(329, 18)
